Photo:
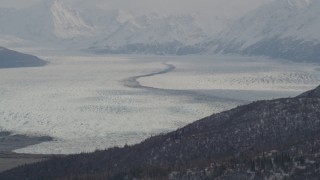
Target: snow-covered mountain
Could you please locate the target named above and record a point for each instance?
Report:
(47, 20)
(67, 23)
(105, 21)
(282, 29)
(105, 30)
(154, 34)
(55, 21)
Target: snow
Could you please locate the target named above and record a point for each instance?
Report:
(45, 21)
(226, 73)
(55, 21)
(77, 99)
(299, 3)
(282, 19)
(68, 24)
(8, 41)
(82, 102)
(155, 29)
(124, 17)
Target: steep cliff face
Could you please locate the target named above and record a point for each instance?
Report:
(68, 23)
(46, 21)
(265, 139)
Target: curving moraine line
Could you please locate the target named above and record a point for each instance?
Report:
(133, 82)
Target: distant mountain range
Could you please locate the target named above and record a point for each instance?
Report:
(275, 139)
(101, 30)
(286, 29)
(154, 34)
(13, 59)
(281, 29)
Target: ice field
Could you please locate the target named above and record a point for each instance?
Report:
(84, 103)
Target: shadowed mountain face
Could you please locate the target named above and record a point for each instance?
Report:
(275, 139)
(13, 59)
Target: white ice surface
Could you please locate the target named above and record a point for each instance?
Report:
(238, 73)
(83, 104)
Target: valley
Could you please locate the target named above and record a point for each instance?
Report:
(83, 102)
(168, 89)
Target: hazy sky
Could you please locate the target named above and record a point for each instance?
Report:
(17, 3)
(226, 7)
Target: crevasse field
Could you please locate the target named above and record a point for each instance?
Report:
(85, 104)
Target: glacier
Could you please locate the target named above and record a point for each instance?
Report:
(82, 102)
(80, 98)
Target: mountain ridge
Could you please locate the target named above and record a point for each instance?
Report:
(281, 29)
(153, 34)
(13, 59)
(315, 93)
(104, 30)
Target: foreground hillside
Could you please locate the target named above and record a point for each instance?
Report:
(265, 139)
(12, 59)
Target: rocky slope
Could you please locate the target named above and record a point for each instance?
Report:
(282, 29)
(12, 59)
(273, 139)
